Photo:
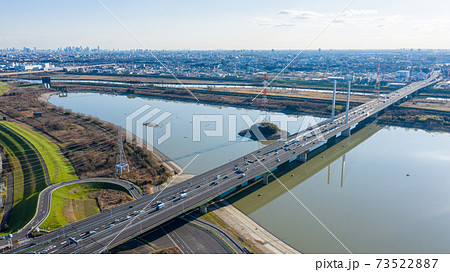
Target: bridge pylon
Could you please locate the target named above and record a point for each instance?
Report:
(348, 101)
(333, 105)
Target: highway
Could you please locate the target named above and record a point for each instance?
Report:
(121, 223)
(44, 202)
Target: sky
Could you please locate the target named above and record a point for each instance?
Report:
(226, 24)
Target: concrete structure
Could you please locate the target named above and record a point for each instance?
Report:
(403, 75)
(266, 178)
(203, 209)
(303, 157)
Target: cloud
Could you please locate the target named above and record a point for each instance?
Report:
(312, 15)
(271, 22)
(300, 15)
(284, 24)
(359, 12)
(286, 12)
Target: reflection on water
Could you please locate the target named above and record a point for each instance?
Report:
(395, 198)
(181, 147)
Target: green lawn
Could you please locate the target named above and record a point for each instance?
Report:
(72, 203)
(59, 168)
(4, 87)
(29, 178)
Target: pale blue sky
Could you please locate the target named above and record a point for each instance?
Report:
(226, 24)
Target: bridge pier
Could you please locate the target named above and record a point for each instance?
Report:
(302, 157)
(266, 178)
(204, 209)
(346, 133)
(331, 141)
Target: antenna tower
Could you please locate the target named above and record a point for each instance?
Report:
(421, 75)
(265, 103)
(377, 84)
(121, 160)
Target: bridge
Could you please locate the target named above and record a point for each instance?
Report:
(121, 223)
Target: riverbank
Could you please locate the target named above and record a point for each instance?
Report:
(161, 158)
(88, 143)
(284, 103)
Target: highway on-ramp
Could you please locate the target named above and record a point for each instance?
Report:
(44, 202)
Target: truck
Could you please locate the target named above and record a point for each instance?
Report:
(160, 206)
(73, 241)
(182, 195)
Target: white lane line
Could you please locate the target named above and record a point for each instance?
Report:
(170, 238)
(181, 240)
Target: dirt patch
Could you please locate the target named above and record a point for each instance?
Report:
(107, 198)
(170, 250)
(69, 212)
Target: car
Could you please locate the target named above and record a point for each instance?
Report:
(225, 177)
(32, 252)
(160, 206)
(243, 175)
(43, 251)
(213, 183)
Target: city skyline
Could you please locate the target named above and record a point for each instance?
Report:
(202, 25)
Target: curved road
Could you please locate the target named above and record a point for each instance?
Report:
(44, 202)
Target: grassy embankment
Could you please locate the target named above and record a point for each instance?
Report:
(4, 88)
(29, 178)
(211, 218)
(59, 168)
(74, 202)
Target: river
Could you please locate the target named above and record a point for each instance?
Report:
(383, 190)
